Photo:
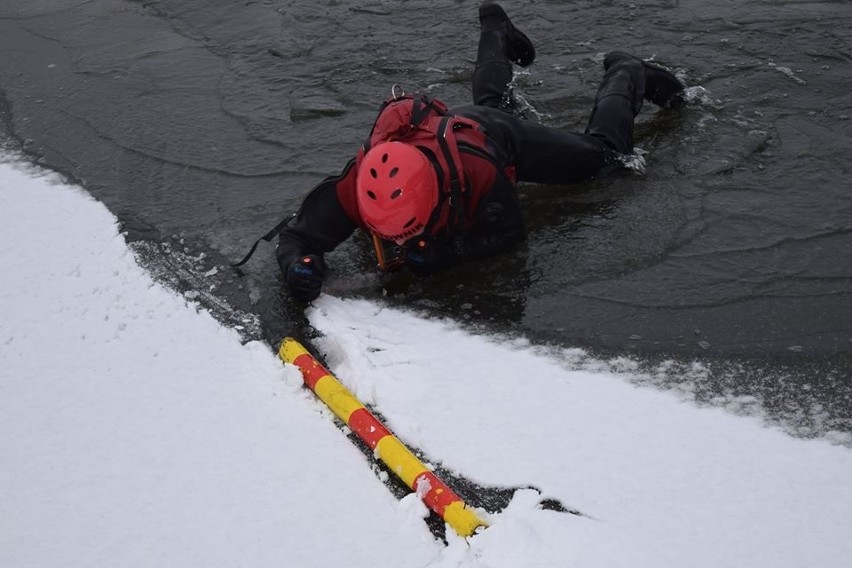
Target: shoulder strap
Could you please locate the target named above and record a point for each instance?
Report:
(450, 150)
(423, 107)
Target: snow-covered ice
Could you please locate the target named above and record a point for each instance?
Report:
(135, 430)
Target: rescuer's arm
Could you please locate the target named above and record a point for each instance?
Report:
(321, 224)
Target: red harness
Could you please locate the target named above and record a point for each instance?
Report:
(425, 124)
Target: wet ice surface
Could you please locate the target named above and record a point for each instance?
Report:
(201, 124)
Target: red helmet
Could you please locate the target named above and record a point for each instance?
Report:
(396, 190)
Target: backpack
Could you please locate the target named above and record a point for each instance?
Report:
(426, 124)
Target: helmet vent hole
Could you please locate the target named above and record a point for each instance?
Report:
(396, 193)
(374, 173)
(371, 195)
(384, 158)
(410, 222)
(393, 172)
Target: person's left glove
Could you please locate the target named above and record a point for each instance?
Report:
(304, 277)
(425, 255)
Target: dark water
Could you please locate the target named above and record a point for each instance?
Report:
(201, 123)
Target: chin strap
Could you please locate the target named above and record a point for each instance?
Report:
(385, 262)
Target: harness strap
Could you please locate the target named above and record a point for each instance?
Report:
(418, 112)
(449, 147)
(267, 237)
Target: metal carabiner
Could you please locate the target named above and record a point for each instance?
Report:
(397, 92)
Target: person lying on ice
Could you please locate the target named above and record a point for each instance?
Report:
(437, 186)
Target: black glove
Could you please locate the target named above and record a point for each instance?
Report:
(490, 216)
(304, 278)
(424, 255)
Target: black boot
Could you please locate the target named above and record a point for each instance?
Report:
(661, 87)
(516, 45)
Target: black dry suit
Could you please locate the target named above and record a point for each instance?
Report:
(531, 151)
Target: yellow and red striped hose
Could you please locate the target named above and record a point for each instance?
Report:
(393, 453)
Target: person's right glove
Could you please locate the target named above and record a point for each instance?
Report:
(424, 255)
(305, 278)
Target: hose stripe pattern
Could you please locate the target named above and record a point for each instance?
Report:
(386, 447)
